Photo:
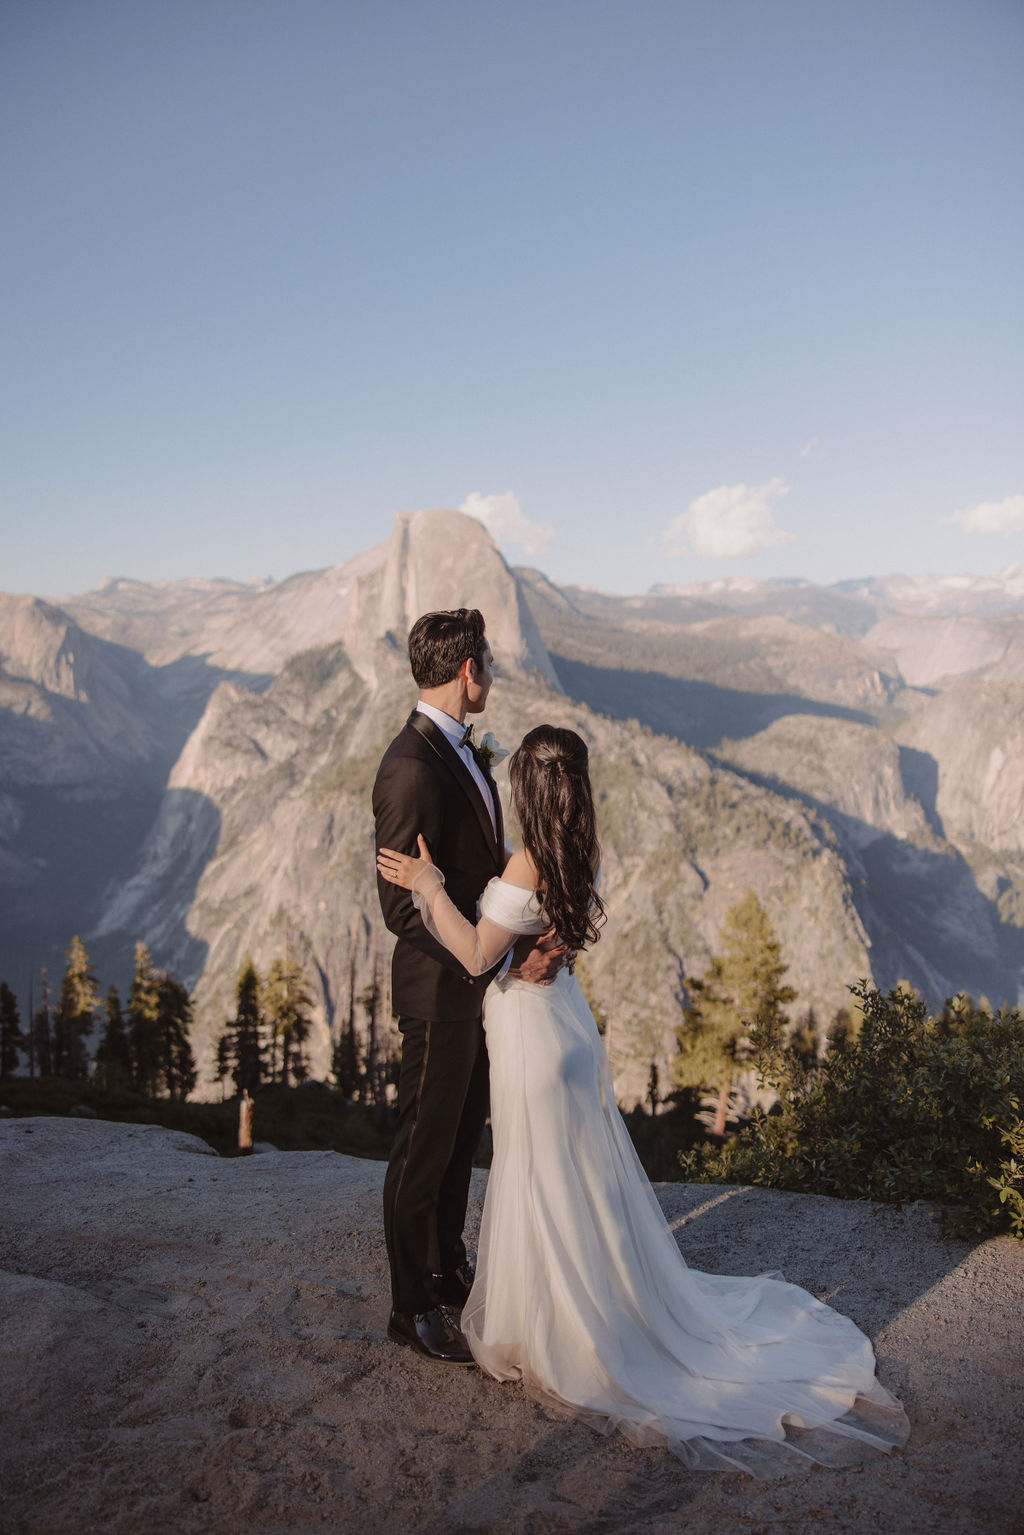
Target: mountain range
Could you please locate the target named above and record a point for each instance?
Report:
(190, 762)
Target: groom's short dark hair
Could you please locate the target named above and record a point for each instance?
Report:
(440, 642)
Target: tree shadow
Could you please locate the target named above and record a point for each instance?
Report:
(700, 714)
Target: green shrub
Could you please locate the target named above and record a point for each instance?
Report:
(913, 1107)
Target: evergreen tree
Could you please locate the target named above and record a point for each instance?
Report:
(11, 1037)
(75, 1014)
(243, 1034)
(805, 1040)
(112, 1067)
(223, 1067)
(381, 1068)
(345, 1056)
(159, 1021)
(176, 1072)
(40, 1042)
(288, 1005)
(375, 1074)
(143, 1031)
(653, 1089)
(744, 982)
(842, 1031)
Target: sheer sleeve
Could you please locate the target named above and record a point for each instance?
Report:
(507, 912)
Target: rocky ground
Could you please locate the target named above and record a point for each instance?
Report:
(193, 1344)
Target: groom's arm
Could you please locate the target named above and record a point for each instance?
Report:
(538, 960)
(407, 801)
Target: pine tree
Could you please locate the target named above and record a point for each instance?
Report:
(112, 1067)
(805, 1041)
(375, 1074)
(75, 1014)
(381, 1067)
(143, 1013)
(843, 1029)
(244, 1033)
(224, 1058)
(176, 1074)
(40, 1043)
(288, 1004)
(743, 982)
(11, 1037)
(345, 1056)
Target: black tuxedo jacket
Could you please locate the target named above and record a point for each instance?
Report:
(423, 786)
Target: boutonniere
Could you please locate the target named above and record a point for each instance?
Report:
(490, 752)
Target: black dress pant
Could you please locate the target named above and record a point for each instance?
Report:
(442, 1109)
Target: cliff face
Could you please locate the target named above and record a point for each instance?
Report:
(263, 838)
(191, 764)
(85, 748)
(974, 732)
(915, 775)
(264, 841)
(932, 651)
(74, 709)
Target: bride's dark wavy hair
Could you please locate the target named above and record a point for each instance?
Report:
(554, 804)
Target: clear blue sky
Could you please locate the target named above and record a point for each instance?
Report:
(273, 269)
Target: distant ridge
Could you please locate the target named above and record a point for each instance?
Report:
(965, 594)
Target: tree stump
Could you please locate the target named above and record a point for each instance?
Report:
(245, 1108)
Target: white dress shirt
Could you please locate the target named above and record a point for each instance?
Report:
(454, 732)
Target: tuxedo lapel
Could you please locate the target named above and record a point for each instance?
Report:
(499, 820)
(439, 743)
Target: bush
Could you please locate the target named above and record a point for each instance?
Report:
(914, 1107)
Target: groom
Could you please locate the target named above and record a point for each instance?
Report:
(431, 780)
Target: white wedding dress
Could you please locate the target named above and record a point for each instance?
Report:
(581, 1291)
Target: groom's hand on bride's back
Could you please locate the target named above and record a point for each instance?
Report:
(538, 960)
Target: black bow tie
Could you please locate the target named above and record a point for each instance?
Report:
(467, 736)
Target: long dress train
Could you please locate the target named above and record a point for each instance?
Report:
(582, 1293)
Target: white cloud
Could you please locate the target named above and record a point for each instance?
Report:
(992, 516)
(503, 518)
(812, 450)
(730, 522)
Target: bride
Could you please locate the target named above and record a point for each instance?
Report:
(580, 1289)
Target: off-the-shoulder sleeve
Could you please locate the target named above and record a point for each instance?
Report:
(507, 911)
(512, 907)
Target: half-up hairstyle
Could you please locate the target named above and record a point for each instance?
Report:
(554, 804)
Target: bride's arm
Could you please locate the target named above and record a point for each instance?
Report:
(476, 948)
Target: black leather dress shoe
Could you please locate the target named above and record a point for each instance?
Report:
(453, 1288)
(432, 1334)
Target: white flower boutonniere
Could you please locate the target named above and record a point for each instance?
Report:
(491, 752)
